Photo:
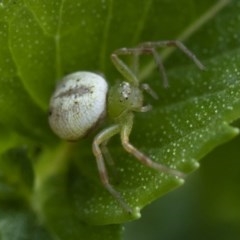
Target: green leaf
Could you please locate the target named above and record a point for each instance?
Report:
(16, 105)
(41, 41)
(208, 204)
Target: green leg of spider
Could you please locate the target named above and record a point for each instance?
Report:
(123, 100)
(125, 131)
(150, 48)
(109, 160)
(174, 43)
(102, 137)
(144, 159)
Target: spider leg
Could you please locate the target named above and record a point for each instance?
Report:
(124, 69)
(106, 153)
(149, 90)
(177, 44)
(149, 48)
(109, 160)
(102, 137)
(135, 63)
(125, 132)
(127, 72)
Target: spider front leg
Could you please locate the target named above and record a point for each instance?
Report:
(122, 67)
(125, 133)
(150, 48)
(101, 138)
(174, 43)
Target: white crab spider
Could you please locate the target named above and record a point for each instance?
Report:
(82, 100)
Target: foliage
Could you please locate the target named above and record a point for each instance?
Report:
(50, 189)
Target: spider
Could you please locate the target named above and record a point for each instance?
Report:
(82, 100)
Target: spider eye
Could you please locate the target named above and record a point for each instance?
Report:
(125, 90)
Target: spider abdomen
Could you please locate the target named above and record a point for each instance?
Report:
(77, 105)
